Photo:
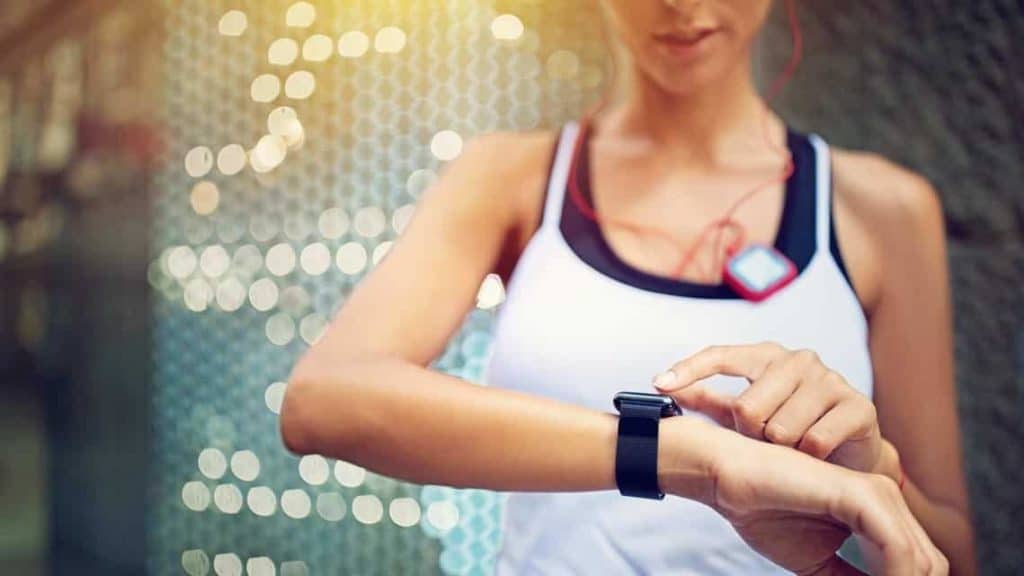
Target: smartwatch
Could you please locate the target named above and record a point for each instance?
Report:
(636, 451)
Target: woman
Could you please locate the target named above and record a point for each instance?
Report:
(591, 310)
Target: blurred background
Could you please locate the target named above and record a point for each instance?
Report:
(190, 188)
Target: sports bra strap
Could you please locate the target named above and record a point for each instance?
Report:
(559, 177)
(823, 192)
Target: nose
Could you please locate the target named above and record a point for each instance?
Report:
(686, 7)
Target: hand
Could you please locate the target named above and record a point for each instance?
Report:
(793, 400)
(796, 510)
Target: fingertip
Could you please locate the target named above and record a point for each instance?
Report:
(667, 380)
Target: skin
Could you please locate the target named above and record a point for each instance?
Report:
(363, 392)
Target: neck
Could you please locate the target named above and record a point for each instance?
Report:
(713, 123)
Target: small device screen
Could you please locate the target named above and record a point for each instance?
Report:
(758, 271)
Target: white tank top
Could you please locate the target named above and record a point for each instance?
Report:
(579, 324)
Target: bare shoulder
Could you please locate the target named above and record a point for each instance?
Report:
(508, 153)
(494, 172)
(888, 193)
(511, 168)
(885, 214)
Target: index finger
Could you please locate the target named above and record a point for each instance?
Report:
(747, 360)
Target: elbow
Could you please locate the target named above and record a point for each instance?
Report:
(295, 423)
(311, 419)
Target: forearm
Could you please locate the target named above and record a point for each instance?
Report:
(416, 424)
(949, 527)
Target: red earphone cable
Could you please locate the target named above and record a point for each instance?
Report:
(777, 85)
(725, 221)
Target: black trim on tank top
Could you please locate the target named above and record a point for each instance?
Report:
(833, 242)
(796, 235)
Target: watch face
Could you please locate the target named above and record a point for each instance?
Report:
(666, 403)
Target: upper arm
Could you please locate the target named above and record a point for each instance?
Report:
(411, 303)
(911, 325)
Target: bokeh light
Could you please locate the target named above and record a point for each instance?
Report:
(315, 259)
(284, 122)
(312, 327)
(331, 506)
(205, 198)
(443, 515)
(195, 562)
(199, 161)
(260, 566)
(181, 262)
(233, 23)
(367, 508)
(353, 44)
(245, 465)
(198, 294)
(230, 294)
(333, 223)
(389, 40)
(507, 27)
(265, 88)
(294, 568)
(281, 259)
(227, 564)
(214, 261)
(349, 475)
(317, 48)
(301, 15)
(280, 329)
(351, 258)
(446, 145)
(231, 159)
(404, 512)
(228, 498)
(491, 293)
(274, 396)
(212, 463)
(283, 52)
(263, 294)
(300, 85)
(381, 251)
(195, 495)
(295, 503)
(370, 221)
(400, 218)
(261, 500)
(269, 152)
(314, 469)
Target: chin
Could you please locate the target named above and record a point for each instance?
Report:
(685, 80)
(685, 75)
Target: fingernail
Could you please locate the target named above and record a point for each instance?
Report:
(665, 380)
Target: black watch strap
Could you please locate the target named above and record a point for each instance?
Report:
(636, 452)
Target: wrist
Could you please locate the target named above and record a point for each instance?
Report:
(687, 452)
(888, 463)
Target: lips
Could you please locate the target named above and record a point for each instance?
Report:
(685, 38)
(686, 45)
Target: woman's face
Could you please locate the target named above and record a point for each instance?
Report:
(685, 44)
